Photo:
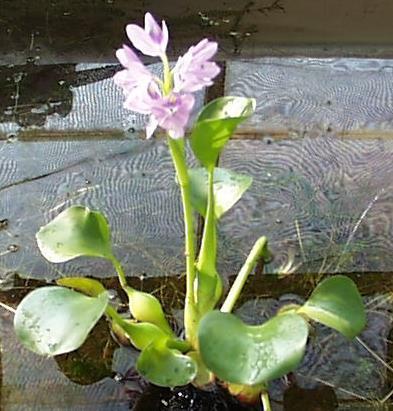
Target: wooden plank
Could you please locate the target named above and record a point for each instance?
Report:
(309, 97)
(131, 182)
(70, 31)
(325, 204)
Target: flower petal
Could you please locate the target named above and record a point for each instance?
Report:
(151, 25)
(173, 113)
(151, 126)
(127, 57)
(152, 40)
(205, 50)
(142, 41)
(165, 36)
(138, 100)
(194, 70)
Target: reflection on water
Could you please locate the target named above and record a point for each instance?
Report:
(331, 360)
(311, 196)
(30, 92)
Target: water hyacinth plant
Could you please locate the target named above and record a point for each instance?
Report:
(217, 346)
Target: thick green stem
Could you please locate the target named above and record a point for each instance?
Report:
(168, 81)
(177, 151)
(265, 401)
(258, 251)
(120, 273)
(183, 346)
(190, 314)
(114, 315)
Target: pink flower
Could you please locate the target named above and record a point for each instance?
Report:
(135, 75)
(152, 40)
(169, 109)
(194, 70)
(169, 112)
(172, 114)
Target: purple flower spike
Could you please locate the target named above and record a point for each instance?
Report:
(135, 75)
(193, 71)
(142, 98)
(152, 40)
(172, 113)
(146, 94)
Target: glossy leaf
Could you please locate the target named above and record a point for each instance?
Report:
(336, 302)
(56, 320)
(75, 232)
(228, 189)
(166, 367)
(215, 125)
(87, 286)
(250, 355)
(141, 335)
(145, 307)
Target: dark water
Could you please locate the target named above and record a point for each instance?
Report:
(100, 373)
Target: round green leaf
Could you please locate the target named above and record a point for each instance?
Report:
(336, 302)
(166, 367)
(215, 125)
(228, 189)
(57, 320)
(251, 355)
(75, 232)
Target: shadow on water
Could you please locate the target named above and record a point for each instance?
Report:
(31, 93)
(94, 361)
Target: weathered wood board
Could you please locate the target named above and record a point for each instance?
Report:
(325, 204)
(131, 182)
(68, 101)
(72, 30)
(349, 98)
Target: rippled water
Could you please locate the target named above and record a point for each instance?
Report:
(319, 149)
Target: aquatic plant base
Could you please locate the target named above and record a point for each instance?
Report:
(188, 398)
(321, 398)
(27, 379)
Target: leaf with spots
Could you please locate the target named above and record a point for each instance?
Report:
(56, 320)
(75, 232)
(164, 366)
(250, 355)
